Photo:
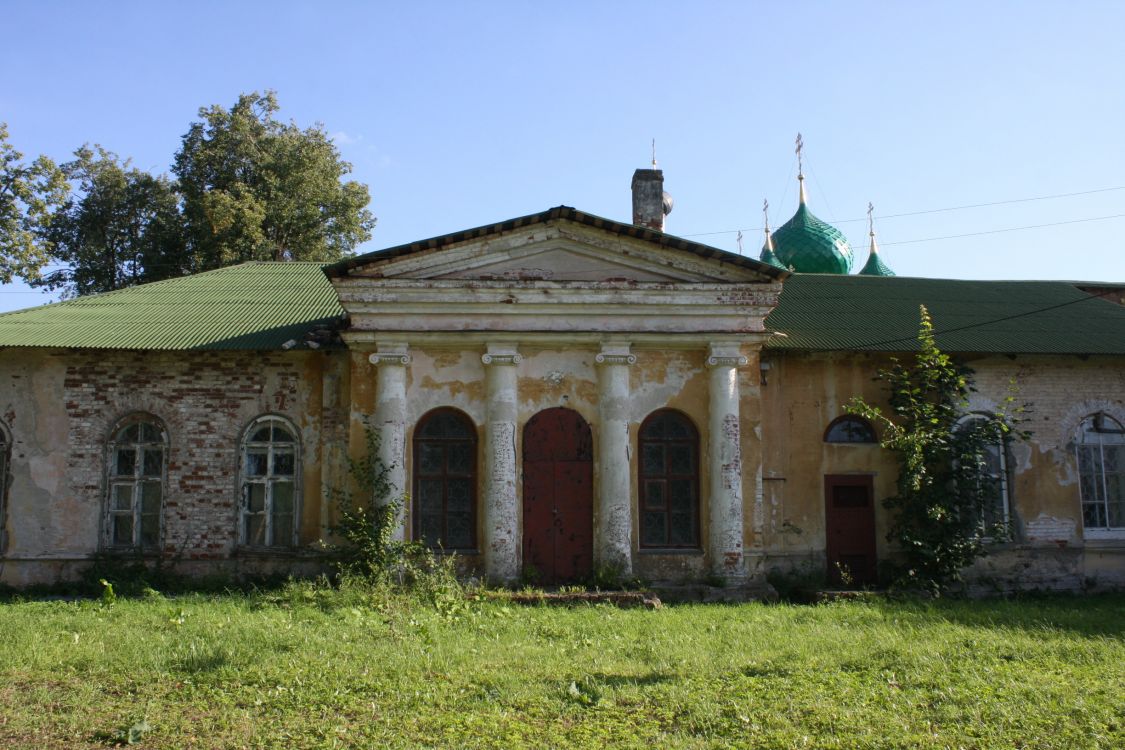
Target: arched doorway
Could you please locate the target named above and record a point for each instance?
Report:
(558, 497)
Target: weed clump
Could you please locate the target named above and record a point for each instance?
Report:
(367, 554)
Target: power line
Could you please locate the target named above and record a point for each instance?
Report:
(944, 237)
(1007, 229)
(985, 205)
(937, 210)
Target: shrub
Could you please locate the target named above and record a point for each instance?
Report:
(943, 495)
(368, 516)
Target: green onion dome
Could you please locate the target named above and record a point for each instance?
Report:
(808, 245)
(875, 265)
(769, 256)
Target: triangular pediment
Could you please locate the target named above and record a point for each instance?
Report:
(553, 257)
(557, 246)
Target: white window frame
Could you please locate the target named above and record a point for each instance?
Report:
(269, 482)
(134, 484)
(1080, 432)
(1002, 453)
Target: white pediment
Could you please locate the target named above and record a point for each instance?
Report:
(557, 252)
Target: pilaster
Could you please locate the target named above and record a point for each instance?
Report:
(501, 503)
(613, 538)
(391, 361)
(725, 544)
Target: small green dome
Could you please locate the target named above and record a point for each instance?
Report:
(876, 267)
(810, 245)
(769, 256)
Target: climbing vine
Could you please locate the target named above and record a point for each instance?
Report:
(943, 509)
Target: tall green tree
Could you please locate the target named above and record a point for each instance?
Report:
(121, 227)
(941, 512)
(256, 188)
(30, 193)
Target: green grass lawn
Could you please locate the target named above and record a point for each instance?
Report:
(311, 668)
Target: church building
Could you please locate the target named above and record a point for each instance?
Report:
(554, 395)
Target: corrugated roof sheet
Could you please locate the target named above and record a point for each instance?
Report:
(248, 306)
(869, 313)
(265, 305)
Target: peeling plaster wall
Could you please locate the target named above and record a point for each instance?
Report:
(31, 406)
(61, 407)
(805, 392)
(443, 377)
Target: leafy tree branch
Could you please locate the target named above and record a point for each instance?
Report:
(30, 193)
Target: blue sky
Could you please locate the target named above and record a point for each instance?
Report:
(461, 114)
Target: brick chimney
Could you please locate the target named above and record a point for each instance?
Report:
(650, 202)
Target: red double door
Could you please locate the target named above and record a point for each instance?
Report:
(558, 498)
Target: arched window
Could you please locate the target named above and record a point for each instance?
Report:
(1100, 445)
(993, 473)
(850, 429)
(271, 461)
(137, 455)
(669, 486)
(445, 480)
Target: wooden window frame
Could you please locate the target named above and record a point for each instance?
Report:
(1001, 448)
(1081, 431)
(472, 476)
(666, 477)
(268, 481)
(135, 483)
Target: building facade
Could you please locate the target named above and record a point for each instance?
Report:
(553, 395)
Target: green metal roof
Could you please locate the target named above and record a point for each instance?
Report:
(249, 306)
(875, 267)
(821, 312)
(266, 305)
(810, 245)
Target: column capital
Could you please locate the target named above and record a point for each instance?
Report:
(615, 354)
(726, 355)
(381, 358)
(501, 354)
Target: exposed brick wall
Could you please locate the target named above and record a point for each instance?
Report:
(205, 401)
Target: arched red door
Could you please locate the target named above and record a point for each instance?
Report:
(558, 497)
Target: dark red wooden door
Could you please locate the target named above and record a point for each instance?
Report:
(849, 510)
(558, 497)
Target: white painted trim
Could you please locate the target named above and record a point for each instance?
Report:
(1103, 534)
